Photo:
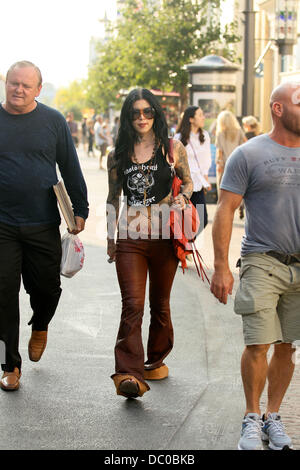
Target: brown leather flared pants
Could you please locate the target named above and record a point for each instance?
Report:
(134, 259)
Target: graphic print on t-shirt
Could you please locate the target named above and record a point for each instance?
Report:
(285, 171)
(140, 181)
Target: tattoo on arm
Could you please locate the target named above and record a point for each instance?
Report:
(114, 193)
(182, 168)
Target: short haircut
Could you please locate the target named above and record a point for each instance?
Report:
(25, 63)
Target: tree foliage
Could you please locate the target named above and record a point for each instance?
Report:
(152, 42)
(72, 98)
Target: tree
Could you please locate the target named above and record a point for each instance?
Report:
(151, 44)
(72, 98)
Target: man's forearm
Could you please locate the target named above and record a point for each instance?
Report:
(221, 233)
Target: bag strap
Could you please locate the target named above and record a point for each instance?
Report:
(195, 155)
(198, 260)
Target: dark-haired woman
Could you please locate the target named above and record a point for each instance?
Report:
(139, 166)
(197, 144)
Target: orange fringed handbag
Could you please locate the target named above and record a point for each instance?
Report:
(184, 225)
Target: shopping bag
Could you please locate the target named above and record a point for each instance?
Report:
(72, 255)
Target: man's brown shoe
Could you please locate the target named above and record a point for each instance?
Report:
(10, 381)
(37, 345)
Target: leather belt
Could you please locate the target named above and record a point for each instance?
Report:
(283, 258)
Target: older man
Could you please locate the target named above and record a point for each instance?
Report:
(33, 139)
(266, 173)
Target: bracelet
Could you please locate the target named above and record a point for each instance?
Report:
(186, 198)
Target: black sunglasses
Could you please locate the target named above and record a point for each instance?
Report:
(148, 113)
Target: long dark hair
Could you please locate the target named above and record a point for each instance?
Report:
(127, 135)
(184, 127)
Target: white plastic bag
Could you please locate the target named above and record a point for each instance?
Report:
(72, 255)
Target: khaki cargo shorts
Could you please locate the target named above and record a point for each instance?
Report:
(268, 298)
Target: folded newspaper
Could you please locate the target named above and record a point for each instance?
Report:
(65, 204)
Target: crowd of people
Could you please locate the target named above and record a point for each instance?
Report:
(98, 137)
(260, 169)
(95, 133)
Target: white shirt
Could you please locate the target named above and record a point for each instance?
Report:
(98, 129)
(199, 158)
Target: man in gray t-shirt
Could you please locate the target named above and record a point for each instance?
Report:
(267, 175)
(265, 172)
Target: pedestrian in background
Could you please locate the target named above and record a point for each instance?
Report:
(115, 129)
(73, 128)
(140, 167)
(196, 141)
(265, 171)
(33, 140)
(91, 136)
(84, 132)
(229, 135)
(108, 137)
(100, 139)
(251, 127)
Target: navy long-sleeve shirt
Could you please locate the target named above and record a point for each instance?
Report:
(31, 145)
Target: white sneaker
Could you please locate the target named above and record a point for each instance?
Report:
(251, 433)
(273, 431)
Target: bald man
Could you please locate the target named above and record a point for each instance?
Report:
(265, 171)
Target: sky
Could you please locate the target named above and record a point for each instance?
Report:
(53, 34)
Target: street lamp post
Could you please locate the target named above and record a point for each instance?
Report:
(249, 60)
(286, 29)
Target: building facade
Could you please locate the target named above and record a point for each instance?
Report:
(273, 66)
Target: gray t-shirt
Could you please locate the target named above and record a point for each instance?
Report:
(268, 176)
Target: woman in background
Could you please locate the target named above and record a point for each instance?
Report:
(196, 141)
(251, 126)
(229, 135)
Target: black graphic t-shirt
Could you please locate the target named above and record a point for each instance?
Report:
(147, 183)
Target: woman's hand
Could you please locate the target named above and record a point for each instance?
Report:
(207, 188)
(111, 251)
(179, 202)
